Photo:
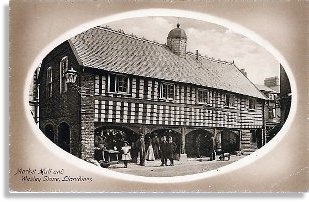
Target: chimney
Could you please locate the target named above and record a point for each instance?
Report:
(243, 71)
(271, 81)
(196, 55)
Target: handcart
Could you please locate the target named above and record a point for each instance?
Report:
(110, 157)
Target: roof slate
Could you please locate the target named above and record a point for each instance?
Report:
(115, 51)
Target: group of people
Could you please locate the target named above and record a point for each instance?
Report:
(151, 150)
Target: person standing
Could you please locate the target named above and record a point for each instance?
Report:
(141, 149)
(163, 149)
(155, 145)
(149, 153)
(171, 148)
(126, 156)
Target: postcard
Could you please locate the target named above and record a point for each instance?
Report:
(156, 96)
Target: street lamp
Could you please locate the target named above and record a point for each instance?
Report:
(71, 76)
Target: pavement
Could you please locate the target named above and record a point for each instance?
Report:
(182, 167)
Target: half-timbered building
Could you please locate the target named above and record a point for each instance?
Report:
(141, 87)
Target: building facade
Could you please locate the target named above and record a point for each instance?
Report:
(272, 113)
(140, 87)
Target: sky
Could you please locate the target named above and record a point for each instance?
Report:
(209, 39)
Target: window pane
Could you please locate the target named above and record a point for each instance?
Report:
(112, 83)
(252, 103)
(232, 100)
(171, 91)
(227, 100)
(203, 96)
(164, 91)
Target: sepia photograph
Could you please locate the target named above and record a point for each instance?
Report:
(160, 96)
(156, 97)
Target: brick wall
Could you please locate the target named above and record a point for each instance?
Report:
(60, 107)
(87, 115)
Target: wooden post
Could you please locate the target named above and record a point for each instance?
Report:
(183, 155)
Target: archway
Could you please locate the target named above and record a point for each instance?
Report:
(155, 137)
(230, 141)
(199, 143)
(113, 138)
(49, 132)
(64, 136)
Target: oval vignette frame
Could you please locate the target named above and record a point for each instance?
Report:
(88, 167)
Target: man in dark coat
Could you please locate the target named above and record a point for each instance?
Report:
(163, 150)
(156, 145)
(171, 148)
(141, 149)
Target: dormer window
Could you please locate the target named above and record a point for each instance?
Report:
(118, 83)
(167, 91)
(203, 96)
(229, 100)
(64, 66)
(49, 82)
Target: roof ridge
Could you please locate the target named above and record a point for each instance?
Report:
(121, 32)
(212, 59)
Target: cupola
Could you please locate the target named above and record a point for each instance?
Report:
(177, 41)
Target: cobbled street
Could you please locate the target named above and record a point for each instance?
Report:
(180, 168)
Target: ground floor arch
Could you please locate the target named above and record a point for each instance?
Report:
(113, 138)
(230, 141)
(199, 143)
(155, 137)
(64, 136)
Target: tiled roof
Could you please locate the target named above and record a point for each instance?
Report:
(116, 51)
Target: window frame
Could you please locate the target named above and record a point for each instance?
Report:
(49, 82)
(169, 86)
(254, 104)
(230, 100)
(116, 86)
(64, 67)
(199, 91)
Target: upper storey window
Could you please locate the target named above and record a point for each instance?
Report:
(49, 82)
(252, 103)
(118, 83)
(203, 96)
(167, 91)
(229, 100)
(64, 66)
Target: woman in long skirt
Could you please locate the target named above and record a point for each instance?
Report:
(149, 153)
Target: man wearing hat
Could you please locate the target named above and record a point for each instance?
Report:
(141, 148)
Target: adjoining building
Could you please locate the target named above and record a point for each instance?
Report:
(285, 95)
(141, 87)
(272, 111)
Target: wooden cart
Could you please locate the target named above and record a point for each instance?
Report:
(110, 157)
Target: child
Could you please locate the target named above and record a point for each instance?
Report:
(126, 156)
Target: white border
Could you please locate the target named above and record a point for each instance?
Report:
(75, 161)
